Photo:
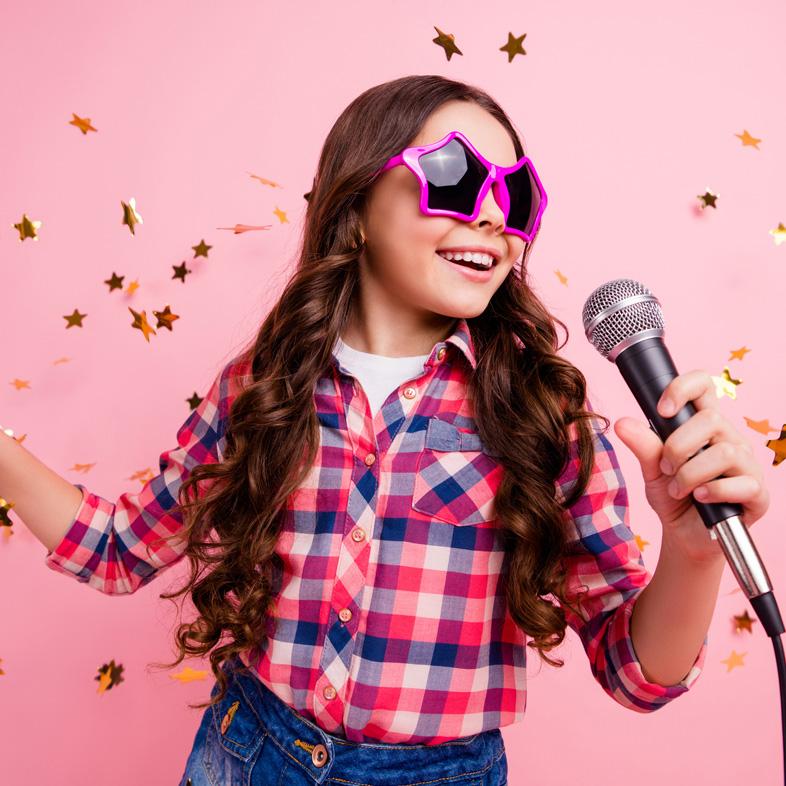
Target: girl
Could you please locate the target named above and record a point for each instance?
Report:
(395, 484)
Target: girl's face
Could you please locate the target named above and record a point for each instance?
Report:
(400, 268)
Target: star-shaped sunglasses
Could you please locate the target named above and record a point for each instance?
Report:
(455, 178)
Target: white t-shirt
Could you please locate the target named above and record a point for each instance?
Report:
(378, 375)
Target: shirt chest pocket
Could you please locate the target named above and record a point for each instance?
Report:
(455, 478)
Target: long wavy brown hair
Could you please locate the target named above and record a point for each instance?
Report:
(528, 402)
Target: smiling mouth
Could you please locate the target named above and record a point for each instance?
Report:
(470, 264)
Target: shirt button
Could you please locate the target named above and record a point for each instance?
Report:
(441, 353)
(409, 392)
(329, 693)
(319, 755)
(370, 459)
(345, 615)
(358, 534)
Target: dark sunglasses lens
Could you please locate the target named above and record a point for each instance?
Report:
(524, 199)
(454, 177)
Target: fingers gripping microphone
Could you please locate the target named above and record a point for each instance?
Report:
(623, 320)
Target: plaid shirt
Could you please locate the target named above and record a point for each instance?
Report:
(391, 623)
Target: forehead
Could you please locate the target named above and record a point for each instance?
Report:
(485, 132)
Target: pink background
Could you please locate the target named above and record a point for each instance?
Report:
(629, 113)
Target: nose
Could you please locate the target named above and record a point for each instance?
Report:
(491, 210)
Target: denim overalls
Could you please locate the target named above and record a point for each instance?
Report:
(264, 742)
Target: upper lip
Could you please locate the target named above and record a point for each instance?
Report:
(492, 252)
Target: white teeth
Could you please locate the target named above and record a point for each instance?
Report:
(468, 256)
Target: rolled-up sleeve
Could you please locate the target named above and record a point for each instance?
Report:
(116, 547)
(605, 559)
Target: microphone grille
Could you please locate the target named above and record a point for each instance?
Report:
(619, 313)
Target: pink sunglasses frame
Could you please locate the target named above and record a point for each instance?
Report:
(410, 156)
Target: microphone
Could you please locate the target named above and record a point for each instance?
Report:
(624, 322)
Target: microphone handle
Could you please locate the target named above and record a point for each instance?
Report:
(647, 367)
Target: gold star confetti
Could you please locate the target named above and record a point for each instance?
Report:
(27, 228)
(165, 318)
(5, 507)
(739, 354)
(132, 287)
(142, 475)
(130, 216)
(20, 383)
(779, 234)
(282, 216)
(116, 282)
(562, 279)
(109, 675)
(189, 675)
(201, 249)
(238, 228)
(513, 46)
(230, 713)
(181, 271)
(82, 123)
(708, 199)
(447, 42)
(735, 659)
(778, 447)
(266, 182)
(60, 361)
(725, 385)
(762, 426)
(75, 319)
(748, 140)
(140, 323)
(744, 622)
(194, 401)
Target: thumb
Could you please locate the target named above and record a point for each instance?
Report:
(644, 443)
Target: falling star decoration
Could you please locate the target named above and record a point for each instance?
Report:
(748, 140)
(264, 181)
(109, 675)
(74, 319)
(725, 385)
(115, 282)
(140, 323)
(447, 42)
(514, 46)
(708, 199)
(762, 426)
(27, 228)
(739, 354)
(201, 249)
(165, 318)
(181, 271)
(779, 234)
(240, 228)
(82, 123)
(778, 447)
(130, 216)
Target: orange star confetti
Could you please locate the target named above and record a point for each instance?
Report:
(762, 426)
(282, 216)
(266, 182)
(132, 287)
(27, 228)
(739, 354)
(562, 279)
(109, 675)
(748, 140)
(447, 42)
(239, 228)
(513, 47)
(130, 216)
(82, 123)
(20, 383)
(140, 323)
(735, 659)
(189, 675)
(744, 622)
